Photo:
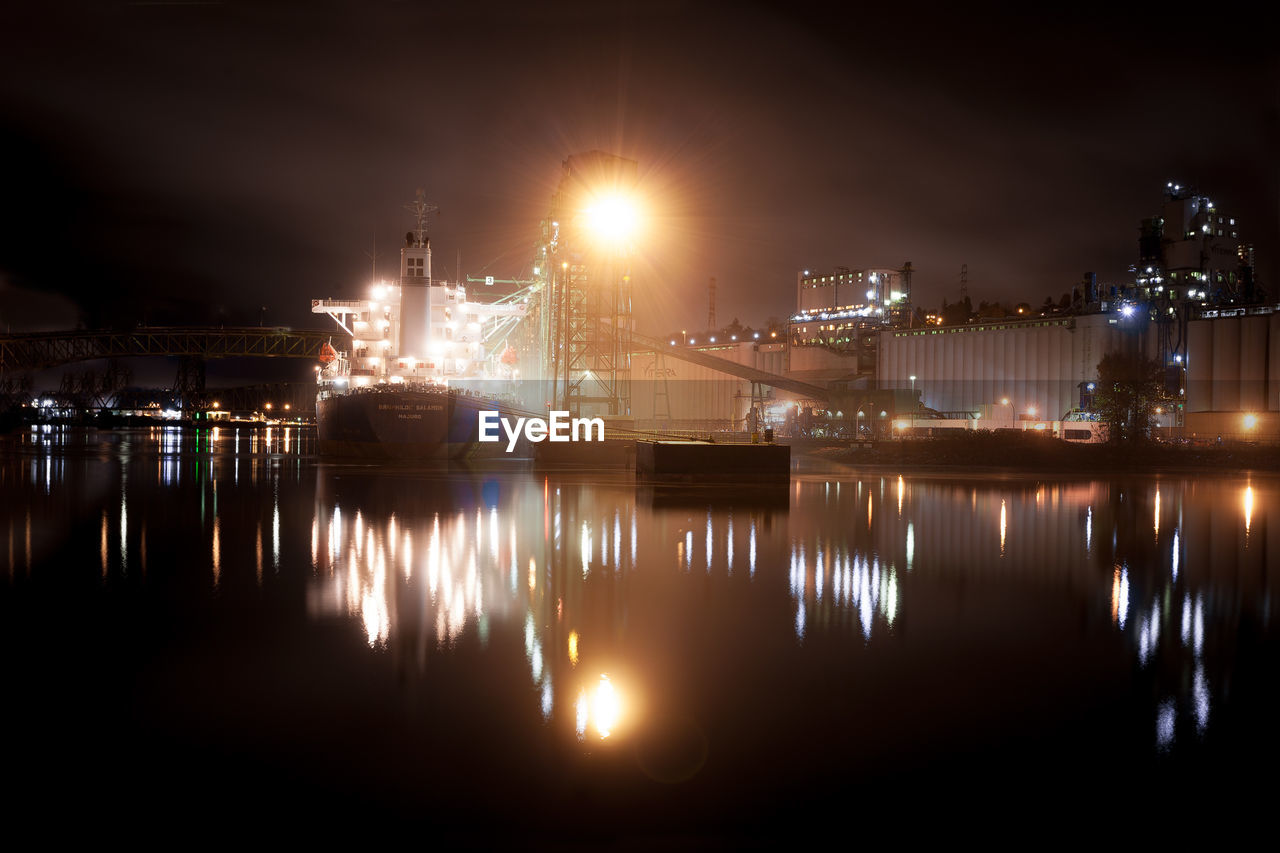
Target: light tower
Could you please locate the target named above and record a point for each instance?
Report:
(593, 220)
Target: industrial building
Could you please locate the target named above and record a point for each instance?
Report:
(1041, 368)
(856, 348)
(1233, 373)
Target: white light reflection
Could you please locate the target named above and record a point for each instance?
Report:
(1002, 526)
(1120, 596)
(493, 533)
(607, 708)
(617, 540)
(124, 533)
(1186, 619)
(1166, 716)
(891, 597)
(548, 698)
(752, 550)
(708, 540)
(728, 545)
(1248, 508)
(911, 545)
(1200, 696)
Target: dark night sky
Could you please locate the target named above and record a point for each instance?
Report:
(193, 162)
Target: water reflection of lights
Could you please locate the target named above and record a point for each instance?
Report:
(1248, 508)
(1003, 526)
(860, 584)
(1120, 595)
(599, 708)
(464, 569)
(478, 564)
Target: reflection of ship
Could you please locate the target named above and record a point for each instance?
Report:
(419, 351)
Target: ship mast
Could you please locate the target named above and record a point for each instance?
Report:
(421, 209)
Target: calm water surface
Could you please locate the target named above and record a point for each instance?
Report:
(222, 628)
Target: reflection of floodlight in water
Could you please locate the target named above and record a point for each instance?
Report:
(607, 707)
(613, 219)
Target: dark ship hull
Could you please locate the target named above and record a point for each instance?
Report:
(395, 422)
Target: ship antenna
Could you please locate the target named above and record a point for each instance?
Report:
(374, 255)
(421, 209)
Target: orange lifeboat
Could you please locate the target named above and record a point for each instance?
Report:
(327, 353)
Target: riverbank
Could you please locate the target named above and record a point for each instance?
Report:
(1029, 452)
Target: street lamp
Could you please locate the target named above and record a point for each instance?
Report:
(913, 383)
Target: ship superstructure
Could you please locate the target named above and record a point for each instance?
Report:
(419, 350)
(417, 328)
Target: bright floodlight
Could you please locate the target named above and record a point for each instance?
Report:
(1250, 421)
(613, 219)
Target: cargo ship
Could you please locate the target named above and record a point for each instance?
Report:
(415, 363)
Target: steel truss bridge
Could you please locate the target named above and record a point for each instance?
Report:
(40, 351)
